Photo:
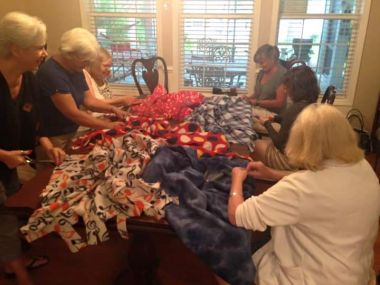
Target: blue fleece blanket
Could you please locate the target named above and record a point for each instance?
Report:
(200, 220)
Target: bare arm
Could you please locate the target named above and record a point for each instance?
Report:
(236, 192)
(256, 169)
(13, 158)
(55, 153)
(66, 105)
(123, 101)
(278, 102)
(259, 170)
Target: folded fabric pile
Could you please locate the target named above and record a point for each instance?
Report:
(231, 116)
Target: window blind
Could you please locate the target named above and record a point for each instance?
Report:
(215, 36)
(323, 33)
(127, 29)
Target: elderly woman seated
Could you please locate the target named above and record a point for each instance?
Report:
(97, 74)
(324, 219)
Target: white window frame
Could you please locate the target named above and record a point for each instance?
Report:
(265, 20)
(177, 65)
(347, 98)
(117, 88)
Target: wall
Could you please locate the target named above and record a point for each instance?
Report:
(368, 86)
(59, 16)
(15, 5)
(63, 15)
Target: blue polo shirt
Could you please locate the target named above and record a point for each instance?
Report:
(52, 78)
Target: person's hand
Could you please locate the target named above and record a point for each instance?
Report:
(239, 174)
(262, 119)
(113, 125)
(249, 99)
(130, 101)
(259, 170)
(14, 158)
(120, 114)
(56, 154)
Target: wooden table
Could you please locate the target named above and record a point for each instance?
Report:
(142, 258)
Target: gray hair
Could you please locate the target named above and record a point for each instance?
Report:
(80, 43)
(21, 30)
(266, 51)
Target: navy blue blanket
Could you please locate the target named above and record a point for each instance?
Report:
(200, 220)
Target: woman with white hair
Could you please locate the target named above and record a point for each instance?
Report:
(97, 74)
(22, 49)
(323, 219)
(63, 89)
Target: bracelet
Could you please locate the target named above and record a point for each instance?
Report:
(236, 194)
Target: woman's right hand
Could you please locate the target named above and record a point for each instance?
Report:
(14, 158)
(259, 170)
(249, 99)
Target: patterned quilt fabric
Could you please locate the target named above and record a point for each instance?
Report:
(165, 105)
(200, 218)
(97, 187)
(187, 134)
(231, 116)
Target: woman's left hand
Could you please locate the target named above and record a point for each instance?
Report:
(56, 154)
(239, 173)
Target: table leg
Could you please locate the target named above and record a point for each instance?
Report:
(143, 259)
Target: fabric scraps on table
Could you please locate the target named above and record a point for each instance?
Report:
(186, 133)
(200, 217)
(97, 187)
(231, 116)
(160, 104)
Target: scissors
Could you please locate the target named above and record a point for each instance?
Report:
(30, 160)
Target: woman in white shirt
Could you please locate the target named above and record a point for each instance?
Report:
(325, 218)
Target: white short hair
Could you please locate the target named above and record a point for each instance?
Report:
(80, 43)
(21, 30)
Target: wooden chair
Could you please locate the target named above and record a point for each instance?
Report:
(288, 64)
(329, 95)
(148, 69)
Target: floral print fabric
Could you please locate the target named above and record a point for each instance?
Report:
(97, 187)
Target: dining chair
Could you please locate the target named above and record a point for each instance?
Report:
(149, 70)
(329, 95)
(288, 64)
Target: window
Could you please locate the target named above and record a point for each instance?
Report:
(323, 33)
(214, 39)
(127, 29)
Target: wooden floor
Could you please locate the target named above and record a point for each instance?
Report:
(107, 263)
